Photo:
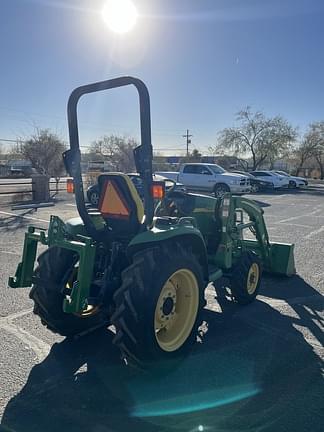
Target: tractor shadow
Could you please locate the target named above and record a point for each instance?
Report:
(306, 302)
(253, 371)
(12, 223)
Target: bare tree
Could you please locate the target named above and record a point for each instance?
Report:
(303, 152)
(94, 154)
(263, 139)
(117, 150)
(44, 150)
(228, 162)
(312, 146)
(320, 161)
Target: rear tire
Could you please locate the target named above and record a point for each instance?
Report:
(55, 266)
(292, 184)
(94, 199)
(255, 188)
(221, 189)
(157, 318)
(246, 278)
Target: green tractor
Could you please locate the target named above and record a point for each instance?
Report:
(143, 265)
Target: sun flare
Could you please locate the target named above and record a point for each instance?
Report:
(120, 16)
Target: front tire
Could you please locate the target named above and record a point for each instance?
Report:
(159, 304)
(246, 278)
(55, 267)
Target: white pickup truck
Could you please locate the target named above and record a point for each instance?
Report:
(209, 178)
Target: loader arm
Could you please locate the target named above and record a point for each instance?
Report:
(277, 258)
(255, 214)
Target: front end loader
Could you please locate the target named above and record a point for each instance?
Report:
(143, 265)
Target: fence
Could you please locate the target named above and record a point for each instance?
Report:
(8, 188)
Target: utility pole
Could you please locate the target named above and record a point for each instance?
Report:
(187, 136)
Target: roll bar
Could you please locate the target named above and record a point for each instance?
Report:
(143, 154)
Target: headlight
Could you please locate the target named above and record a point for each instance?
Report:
(235, 182)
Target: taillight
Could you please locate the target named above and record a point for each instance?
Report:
(158, 190)
(69, 186)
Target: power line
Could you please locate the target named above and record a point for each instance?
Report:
(12, 140)
(187, 136)
(156, 149)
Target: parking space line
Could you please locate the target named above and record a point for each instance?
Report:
(292, 224)
(16, 315)
(313, 213)
(23, 216)
(315, 232)
(40, 348)
(9, 253)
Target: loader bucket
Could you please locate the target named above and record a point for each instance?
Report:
(282, 259)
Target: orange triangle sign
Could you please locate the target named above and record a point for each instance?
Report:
(112, 203)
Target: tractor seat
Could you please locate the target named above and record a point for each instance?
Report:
(120, 204)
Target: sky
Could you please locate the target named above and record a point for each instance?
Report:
(202, 60)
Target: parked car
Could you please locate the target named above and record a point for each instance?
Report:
(294, 182)
(209, 178)
(93, 194)
(256, 183)
(278, 181)
(138, 183)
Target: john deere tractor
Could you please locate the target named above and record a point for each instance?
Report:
(143, 265)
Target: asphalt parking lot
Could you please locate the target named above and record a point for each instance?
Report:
(259, 367)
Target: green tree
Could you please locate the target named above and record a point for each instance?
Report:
(256, 136)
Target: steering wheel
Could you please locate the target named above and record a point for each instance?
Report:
(176, 204)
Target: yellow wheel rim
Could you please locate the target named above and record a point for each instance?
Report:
(176, 310)
(253, 278)
(90, 310)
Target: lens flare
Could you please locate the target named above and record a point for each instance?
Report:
(120, 16)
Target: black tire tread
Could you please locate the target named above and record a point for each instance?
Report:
(49, 279)
(239, 276)
(129, 316)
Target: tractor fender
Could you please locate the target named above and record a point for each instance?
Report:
(187, 236)
(75, 226)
